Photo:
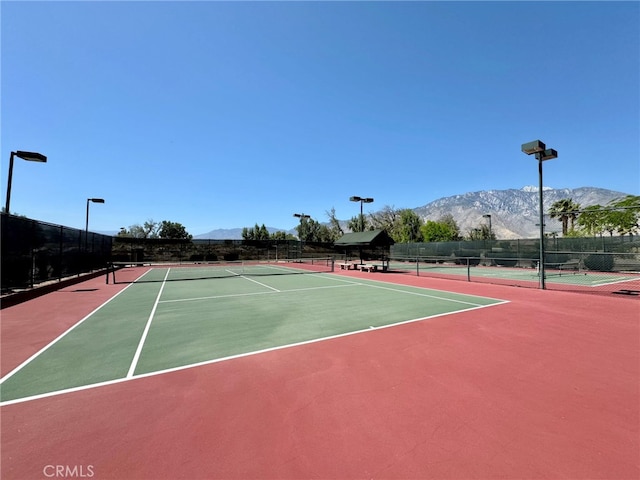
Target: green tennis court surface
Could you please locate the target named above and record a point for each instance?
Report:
(157, 324)
(552, 275)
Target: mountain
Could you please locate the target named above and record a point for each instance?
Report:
(514, 213)
(234, 233)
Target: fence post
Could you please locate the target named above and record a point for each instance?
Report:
(33, 257)
(60, 251)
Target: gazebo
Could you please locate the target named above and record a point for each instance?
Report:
(374, 243)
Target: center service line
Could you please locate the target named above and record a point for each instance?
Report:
(136, 357)
(260, 283)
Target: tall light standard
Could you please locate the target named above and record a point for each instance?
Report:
(488, 216)
(29, 156)
(361, 200)
(542, 153)
(302, 217)
(86, 228)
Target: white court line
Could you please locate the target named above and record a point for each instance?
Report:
(213, 297)
(372, 284)
(424, 295)
(136, 357)
(260, 283)
(233, 357)
(250, 294)
(368, 283)
(613, 282)
(38, 353)
(397, 290)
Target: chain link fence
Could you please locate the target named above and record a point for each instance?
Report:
(35, 252)
(595, 265)
(159, 250)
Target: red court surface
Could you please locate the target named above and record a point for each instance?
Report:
(543, 387)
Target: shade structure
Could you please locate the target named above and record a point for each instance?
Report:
(370, 238)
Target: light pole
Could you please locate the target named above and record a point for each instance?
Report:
(29, 156)
(86, 228)
(361, 200)
(488, 216)
(542, 153)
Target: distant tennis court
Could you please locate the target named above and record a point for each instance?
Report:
(174, 317)
(554, 274)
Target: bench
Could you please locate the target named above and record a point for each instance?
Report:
(369, 268)
(346, 266)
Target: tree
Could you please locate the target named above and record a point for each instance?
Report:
(305, 229)
(591, 220)
(256, 233)
(263, 233)
(280, 235)
(620, 216)
(480, 233)
(625, 214)
(408, 227)
(450, 222)
(386, 219)
(334, 225)
(359, 224)
(565, 210)
(148, 230)
(310, 230)
(403, 225)
(176, 230)
(153, 229)
(325, 234)
(439, 232)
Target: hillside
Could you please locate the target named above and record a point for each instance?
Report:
(514, 213)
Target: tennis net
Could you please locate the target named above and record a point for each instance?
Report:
(120, 272)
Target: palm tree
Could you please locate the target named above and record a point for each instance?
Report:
(565, 210)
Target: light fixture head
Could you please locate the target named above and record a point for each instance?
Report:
(548, 154)
(31, 156)
(533, 147)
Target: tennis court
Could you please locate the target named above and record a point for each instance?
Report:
(292, 371)
(554, 274)
(186, 315)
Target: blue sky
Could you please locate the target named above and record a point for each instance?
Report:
(228, 114)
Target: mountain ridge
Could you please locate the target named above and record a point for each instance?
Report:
(514, 212)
